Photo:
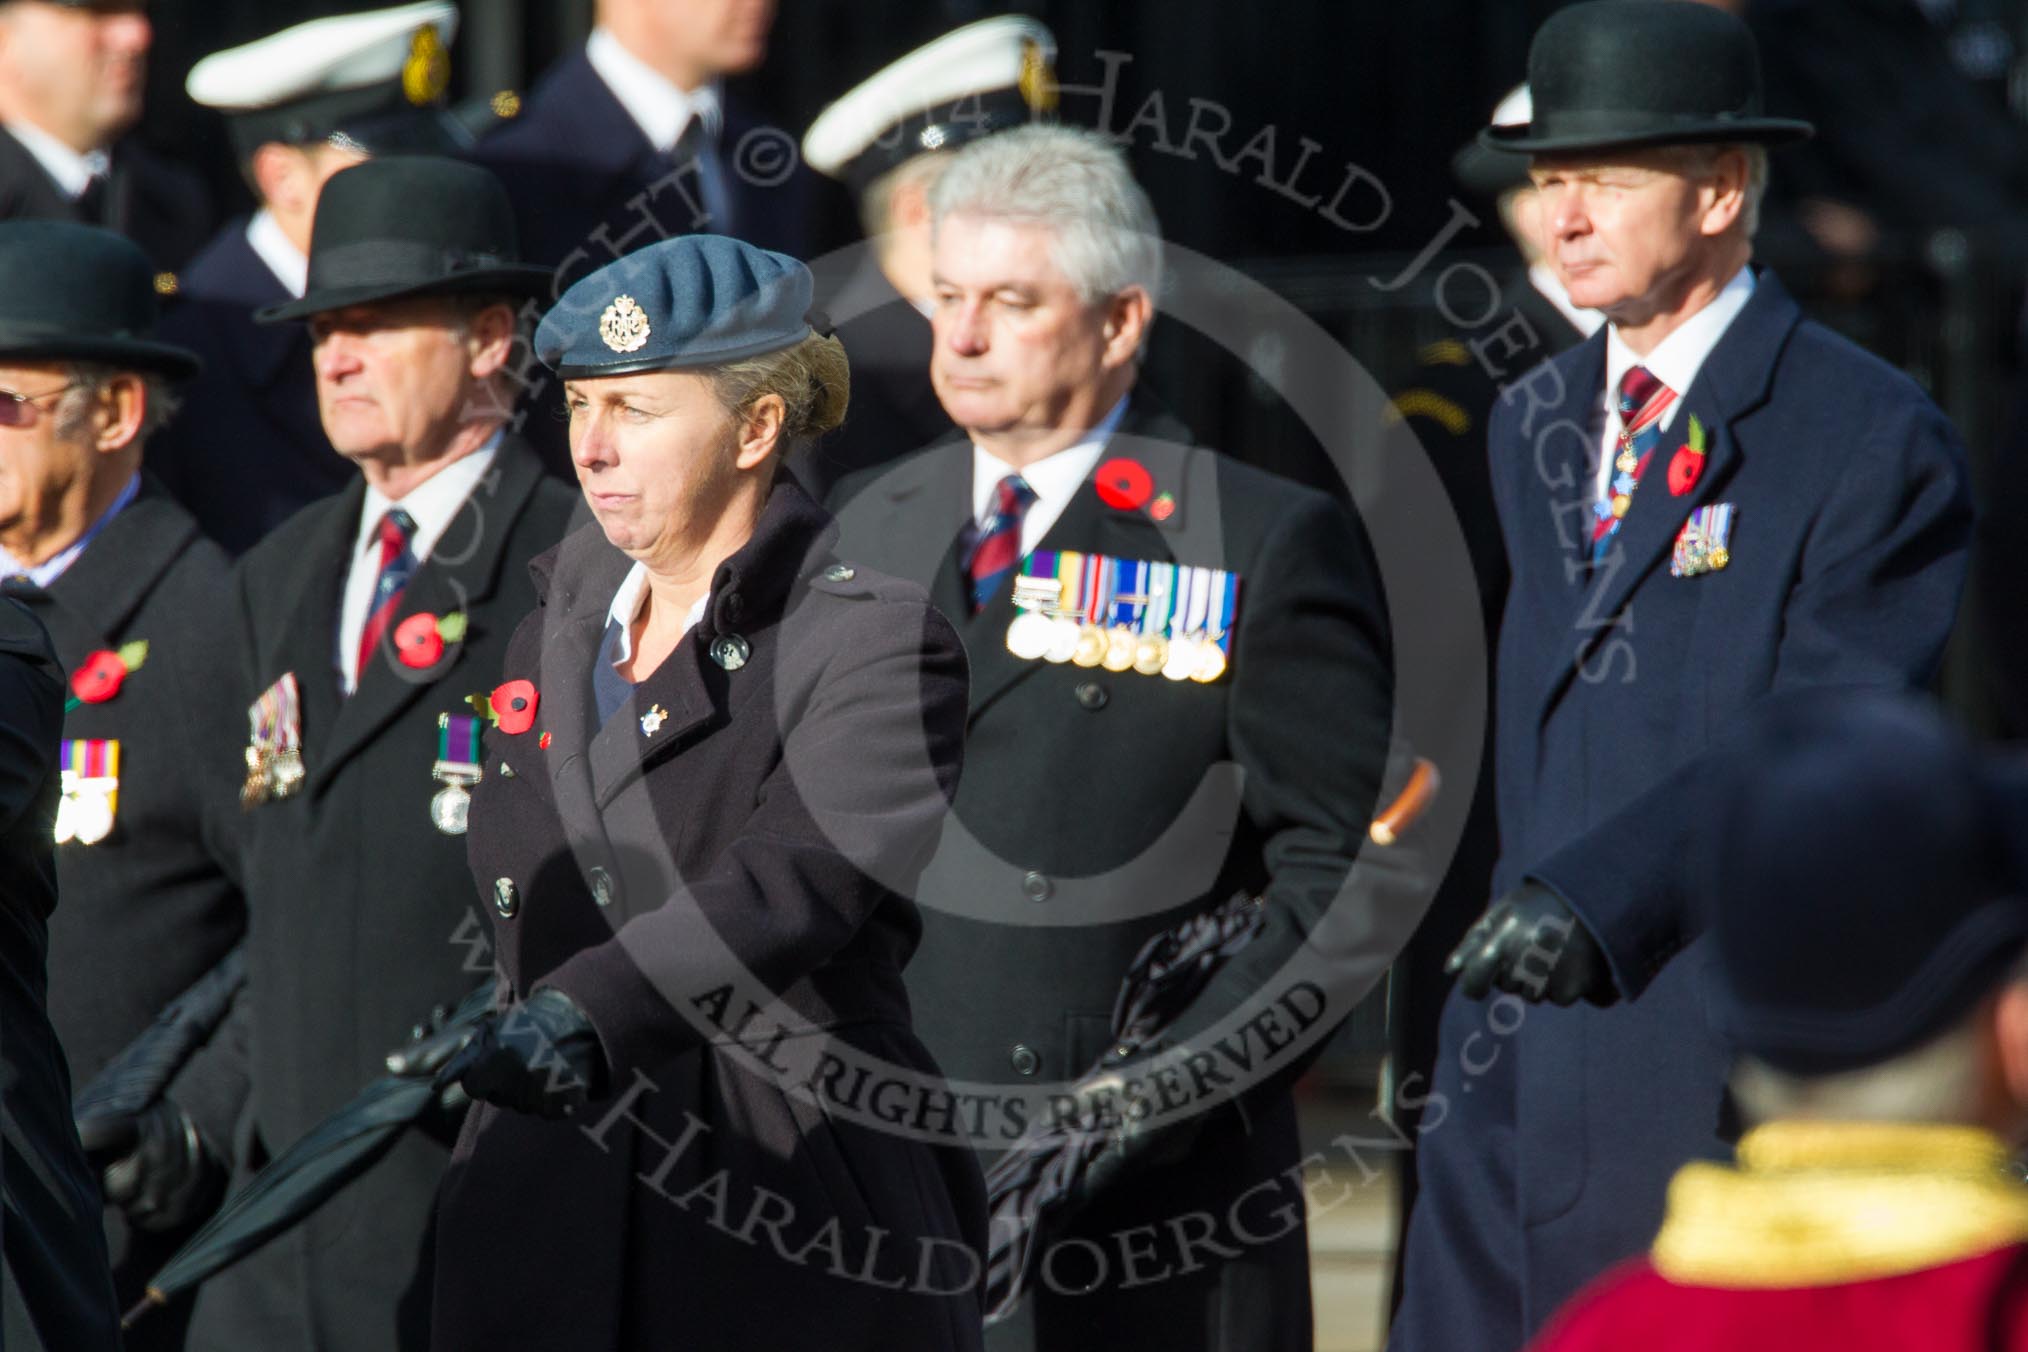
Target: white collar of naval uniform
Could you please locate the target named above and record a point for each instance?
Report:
(1054, 479)
(658, 106)
(72, 171)
(1675, 362)
(290, 265)
(434, 505)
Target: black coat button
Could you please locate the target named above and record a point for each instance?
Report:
(506, 900)
(731, 651)
(1023, 1059)
(601, 886)
(1037, 887)
(1092, 695)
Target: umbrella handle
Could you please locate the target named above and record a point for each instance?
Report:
(1408, 805)
(153, 1300)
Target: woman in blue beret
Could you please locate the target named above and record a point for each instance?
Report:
(720, 759)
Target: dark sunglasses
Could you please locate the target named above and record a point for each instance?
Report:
(19, 410)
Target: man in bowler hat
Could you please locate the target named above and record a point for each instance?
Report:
(1869, 922)
(128, 588)
(299, 105)
(365, 623)
(1708, 502)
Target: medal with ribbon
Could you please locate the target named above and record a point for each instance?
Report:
(457, 769)
(90, 779)
(274, 754)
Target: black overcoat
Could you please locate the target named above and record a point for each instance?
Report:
(1550, 1137)
(756, 828)
(1098, 809)
(360, 913)
(248, 449)
(158, 204)
(55, 1295)
(154, 905)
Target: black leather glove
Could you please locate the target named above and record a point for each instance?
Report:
(540, 1056)
(1131, 1143)
(1528, 943)
(428, 1047)
(154, 1166)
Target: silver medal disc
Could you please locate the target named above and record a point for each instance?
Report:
(1030, 636)
(451, 809)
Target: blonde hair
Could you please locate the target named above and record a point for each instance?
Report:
(813, 380)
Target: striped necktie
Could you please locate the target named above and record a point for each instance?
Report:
(1643, 401)
(397, 566)
(995, 546)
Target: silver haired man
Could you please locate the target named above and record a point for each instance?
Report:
(1142, 617)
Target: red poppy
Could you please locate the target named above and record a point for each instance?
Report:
(1124, 484)
(1684, 470)
(514, 706)
(98, 680)
(417, 642)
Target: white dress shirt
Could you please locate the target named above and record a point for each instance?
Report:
(73, 172)
(434, 506)
(290, 265)
(626, 608)
(1055, 478)
(662, 110)
(1675, 362)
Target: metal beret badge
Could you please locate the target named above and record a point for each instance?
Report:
(624, 325)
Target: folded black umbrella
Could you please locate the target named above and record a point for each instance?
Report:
(1040, 1174)
(138, 1075)
(306, 1175)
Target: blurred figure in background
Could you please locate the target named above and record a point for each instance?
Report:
(634, 138)
(72, 77)
(300, 106)
(889, 140)
(1869, 926)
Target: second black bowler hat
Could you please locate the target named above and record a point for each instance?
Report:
(411, 225)
(1630, 73)
(78, 293)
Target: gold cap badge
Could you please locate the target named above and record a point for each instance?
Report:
(624, 325)
(427, 73)
(1038, 80)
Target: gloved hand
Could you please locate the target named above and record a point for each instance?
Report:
(428, 1047)
(540, 1056)
(1530, 944)
(1131, 1142)
(154, 1166)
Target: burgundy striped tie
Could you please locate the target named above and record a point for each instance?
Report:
(397, 565)
(1643, 401)
(996, 547)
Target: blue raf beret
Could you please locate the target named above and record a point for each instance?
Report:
(698, 300)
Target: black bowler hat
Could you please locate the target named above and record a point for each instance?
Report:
(1623, 73)
(411, 225)
(78, 293)
(1868, 884)
(1489, 173)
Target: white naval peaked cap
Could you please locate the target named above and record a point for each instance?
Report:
(326, 56)
(874, 126)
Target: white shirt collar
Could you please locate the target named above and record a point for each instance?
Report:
(1546, 283)
(1055, 478)
(46, 573)
(660, 109)
(71, 170)
(433, 506)
(626, 608)
(1677, 358)
(290, 265)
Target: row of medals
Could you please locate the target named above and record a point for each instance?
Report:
(1037, 632)
(85, 812)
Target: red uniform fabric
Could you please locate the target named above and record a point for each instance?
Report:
(1977, 1303)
